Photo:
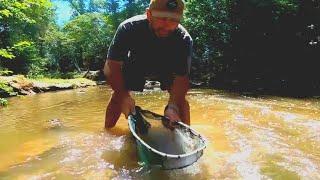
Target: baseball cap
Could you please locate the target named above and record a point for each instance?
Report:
(167, 8)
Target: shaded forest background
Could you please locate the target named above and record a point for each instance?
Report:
(261, 46)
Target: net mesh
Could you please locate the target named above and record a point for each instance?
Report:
(151, 129)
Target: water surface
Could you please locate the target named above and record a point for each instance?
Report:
(61, 135)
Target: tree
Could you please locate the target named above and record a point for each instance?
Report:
(78, 6)
(208, 24)
(89, 35)
(23, 23)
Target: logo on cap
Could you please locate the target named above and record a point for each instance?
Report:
(172, 4)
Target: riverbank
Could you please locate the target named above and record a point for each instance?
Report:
(20, 85)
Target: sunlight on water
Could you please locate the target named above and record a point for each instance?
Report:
(60, 135)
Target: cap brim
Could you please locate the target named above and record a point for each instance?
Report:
(166, 14)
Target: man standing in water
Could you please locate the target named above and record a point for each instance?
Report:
(153, 45)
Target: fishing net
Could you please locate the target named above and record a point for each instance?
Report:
(154, 130)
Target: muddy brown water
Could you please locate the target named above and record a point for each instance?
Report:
(60, 135)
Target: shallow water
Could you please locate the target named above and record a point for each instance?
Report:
(61, 135)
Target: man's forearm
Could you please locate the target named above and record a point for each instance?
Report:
(178, 93)
(113, 73)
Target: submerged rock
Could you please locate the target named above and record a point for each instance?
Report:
(54, 123)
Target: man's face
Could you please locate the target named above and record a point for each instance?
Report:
(162, 26)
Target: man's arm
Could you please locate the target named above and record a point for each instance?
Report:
(178, 105)
(178, 92)
(112, 71)
(121, 100)
(180, 86)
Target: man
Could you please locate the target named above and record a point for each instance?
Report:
(151, 45)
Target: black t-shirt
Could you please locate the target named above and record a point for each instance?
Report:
(144, 54)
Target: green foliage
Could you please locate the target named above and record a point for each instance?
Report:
(286, 6)
(5, 89)
(6, 53)
(81, 44)
(5, 72)
(3, 102)
(132, 8)
(19, 46)
(58, 75)
(32, 44)
(234, 41)
(16, 10)
(87, 40)
(23, 23)
(76, 82)
(208, 23)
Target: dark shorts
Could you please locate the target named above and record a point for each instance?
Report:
(135, 78)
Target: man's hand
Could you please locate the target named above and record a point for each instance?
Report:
(178, 92)
(128, 105)
(171, 112)
(120, 102)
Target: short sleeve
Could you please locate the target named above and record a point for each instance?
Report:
(119, 47)
(189, 54)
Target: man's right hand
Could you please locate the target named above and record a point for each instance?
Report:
(128, 105)
(171, 112)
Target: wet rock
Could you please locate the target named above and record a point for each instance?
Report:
(101, 82)
(94, 75)
(194, 84)
(37, 89)
(27, 92)
(81, 91)
(23, 86)
(54, 123)
(151, 85)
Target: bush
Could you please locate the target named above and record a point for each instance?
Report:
(5, 72)
(56, 75)
(3, 102)
(5, 89)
